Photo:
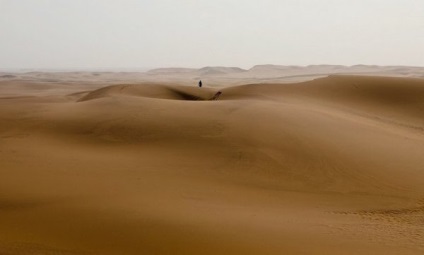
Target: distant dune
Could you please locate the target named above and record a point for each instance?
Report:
(219, 70)
(146, 163)
(216, 76)
(171, 70)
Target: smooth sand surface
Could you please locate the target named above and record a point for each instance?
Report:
(333, 165)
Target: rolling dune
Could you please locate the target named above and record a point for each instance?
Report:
(329, 166)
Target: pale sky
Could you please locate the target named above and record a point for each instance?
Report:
(195, 33)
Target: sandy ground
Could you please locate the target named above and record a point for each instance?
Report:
(212, 76)
(333, 165)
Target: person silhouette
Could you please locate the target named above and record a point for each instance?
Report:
(200, 83)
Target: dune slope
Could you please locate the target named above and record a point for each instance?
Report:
(329, 166)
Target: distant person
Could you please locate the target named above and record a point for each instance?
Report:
(200, 83)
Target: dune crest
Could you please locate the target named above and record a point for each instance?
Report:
(152, 91)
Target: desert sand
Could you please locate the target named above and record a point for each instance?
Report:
(302, 164)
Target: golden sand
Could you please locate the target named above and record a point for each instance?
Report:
(329, 166)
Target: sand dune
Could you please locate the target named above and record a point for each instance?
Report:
(152, 91)
(328, 166)
(213, 76)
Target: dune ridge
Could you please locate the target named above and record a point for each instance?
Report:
(213, 76)
(327, 166)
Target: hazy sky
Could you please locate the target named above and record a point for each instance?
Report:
(196, 33)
